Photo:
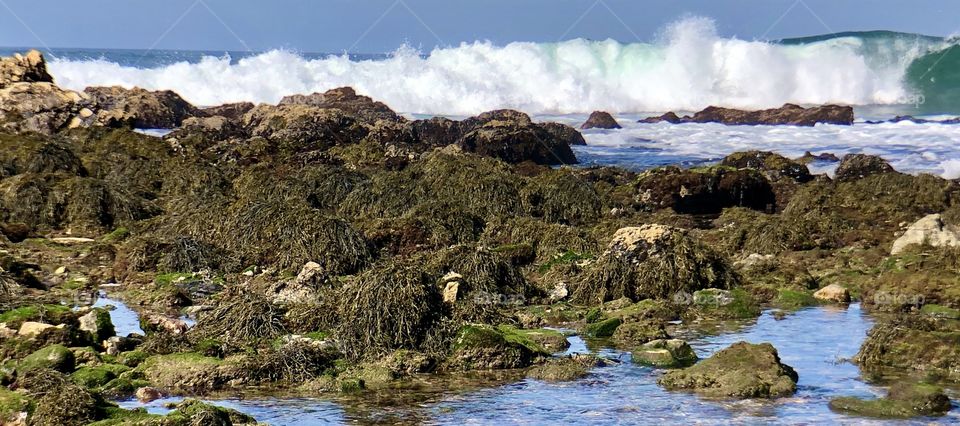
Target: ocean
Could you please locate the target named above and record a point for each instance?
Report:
(882, 74)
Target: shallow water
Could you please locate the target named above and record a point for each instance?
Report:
(814, 341)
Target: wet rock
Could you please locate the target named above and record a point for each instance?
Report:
(197, 413)
(140, 108)
(788, 114)
(482, 347)
(186, 372)
(27, 68)
(665, 353)
(564, 132)
(146, 394)
(600, 120)
(774, 166)
(833, 293)
(203, 132)
(40, 107)
(512, 137)
(232, 112)
(704, 190)
(913, 343)
(97, 322)
(670, 117)
(930, 230)
(15, 232)
(347, 100)
(300, 128)
(565, 369)
(859, 166)
(636, 333)
(117, 344)
(437, 131)
(742, 370)
(652, 261)
(904, 400)
(808, 157)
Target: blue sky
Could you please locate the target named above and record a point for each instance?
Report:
(373, 26)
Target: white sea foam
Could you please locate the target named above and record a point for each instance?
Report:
(688, 69)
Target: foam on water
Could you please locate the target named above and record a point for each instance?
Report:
(688, 68)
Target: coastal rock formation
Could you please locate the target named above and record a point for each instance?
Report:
(140, 108)
(903, 400)
(929, 230)
(774, 166)
(301, 128)
(742, 370)
(28, 68)
(833, 293)
(347, 100)
(41, 107)
(233, 112)
(600, 120)
(652, 261)
(512, 137)
(703, 190)
(564, 133)
(789, 114)
(859, 166)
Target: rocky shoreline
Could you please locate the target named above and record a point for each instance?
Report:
(327, 245)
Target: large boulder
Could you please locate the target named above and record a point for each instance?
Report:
(703, 190)
(564, 132)
(140, 108)
(512, 137)
(929, 230)
(301, 127)
(41, 107)
(28, 68)
(347, 100)
(789, 114)
(742, 370)
(482, 347)
(858, 166)
(600, 120)
(54, 357)
(652, 262)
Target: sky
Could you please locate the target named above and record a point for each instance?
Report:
(380, 26)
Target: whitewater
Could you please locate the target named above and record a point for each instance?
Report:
(687, 68)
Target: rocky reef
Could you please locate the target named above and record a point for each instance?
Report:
(328, 245)
(789, 114)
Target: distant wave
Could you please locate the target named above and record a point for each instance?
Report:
(689, 68)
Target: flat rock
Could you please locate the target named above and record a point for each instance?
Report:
(929, 230)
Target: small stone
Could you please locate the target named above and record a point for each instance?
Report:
(559, 292)
(147, 394)
(72, 240)
(451, 276)
(86, 113)
(450, 292)
(61, 270)
(833, 293)
(309, 271)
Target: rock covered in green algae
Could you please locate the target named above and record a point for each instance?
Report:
(652, 261)
(669, 353)
(742, 370)
(859, 166)
(603, 328)
(55, 357)
(97, 322)
(484, 347)
(639, 332)
(773, 165)
(910, 342)
(904, 400)
(565, 369)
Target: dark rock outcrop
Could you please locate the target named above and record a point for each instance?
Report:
(774, 166)
(140, 108)
(703, 191)
(564, 132)
(601, 120)
(233, 111)
(347, 100)
(789, 114)
(859, 166)
(301, 128)
(808, 157)
(512, 137)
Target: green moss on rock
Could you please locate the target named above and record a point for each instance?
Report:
(672, 353)
(742, 370)
(55, 357)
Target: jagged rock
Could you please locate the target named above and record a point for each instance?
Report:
(928, 230)
(789, 114)
(140, 108)
(437, 131)
(28, 68)
(40, 107)
(207, 130)
(808, 157)
(600, 120)
(670, 117)
(833, 293)
(512, 137)
(302, 128)
(773, 165)
(742, 370)
(703, 191)
(347, 100)
(97, 322)
(859, 166)
(232, 112)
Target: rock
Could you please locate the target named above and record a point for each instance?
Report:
(437, 132)
(232, 112)
(298, 128)
(512, 137)
(808, 157)
(904, 400)
(774, 166)
(565, 369)
(703, 191)
(833, 293)
(652, 262)
(311, 274)
(742, 370)
(39, 107)
(31, 329)
(636, 333)
(16, 232)
(600, 120)
(139, 108)
(114, 345)
(346, 100)
(558, 292)
(929, 230)
(859, 166)
(670, 117)
(450, 292)
(54, 357)
(482, 347)
(97, 322)
(604, 328)
(146, 394)
(565, 133)
(28, 68)
(918, 344)
(788, 114)
(203, 132)
(70, 241)
(670, 353)
(161, 323)
(61, 271)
